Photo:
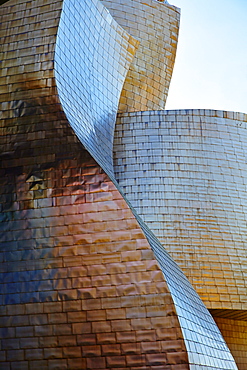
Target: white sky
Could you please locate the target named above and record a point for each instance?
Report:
(211, 63)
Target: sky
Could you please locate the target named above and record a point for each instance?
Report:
(211, 63)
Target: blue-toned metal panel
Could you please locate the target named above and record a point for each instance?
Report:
(205, 344)
(92, 57)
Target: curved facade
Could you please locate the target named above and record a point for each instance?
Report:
(155, 25)
(185, 174)
(100, 52)
(85, 284)
(211, 339)
(80, 286)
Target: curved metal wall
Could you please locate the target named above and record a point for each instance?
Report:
(204, 342)
(80, 287)
(99, 52)
(235, 333)
(155, 24)
(54, 206)
(202, 338)
(185, 174)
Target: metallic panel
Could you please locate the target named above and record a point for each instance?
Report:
(185, 174)
(203, 330)
(155, 24)
(99, 52)
(80, 286)
(235, 332)
(78, 273)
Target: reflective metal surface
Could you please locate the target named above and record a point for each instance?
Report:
(80, 287)
(99, 52)
(79, 280)
(155, 24)
(184, 173)
(207, 333)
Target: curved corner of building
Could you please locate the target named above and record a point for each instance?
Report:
(91, 62)
(155, 25)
